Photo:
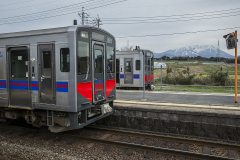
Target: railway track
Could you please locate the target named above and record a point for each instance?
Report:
(155, 143)
(151, 145)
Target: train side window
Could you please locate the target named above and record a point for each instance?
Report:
(138, 65)
(64, 60)
(110, 60)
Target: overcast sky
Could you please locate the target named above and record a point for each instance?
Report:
(156, 25)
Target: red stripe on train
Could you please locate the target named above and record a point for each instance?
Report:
(63, 86)
(19, 84)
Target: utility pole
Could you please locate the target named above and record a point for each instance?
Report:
(218, 52)
(236, 67)
(231, 42)
(83, 15)
(97, 21)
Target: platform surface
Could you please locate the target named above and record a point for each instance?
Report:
(188, 98)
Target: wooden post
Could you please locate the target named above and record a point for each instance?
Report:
(236, 69)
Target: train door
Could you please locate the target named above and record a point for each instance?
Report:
(128, 71)
(19, 77)
(46, 73)
(98, 68)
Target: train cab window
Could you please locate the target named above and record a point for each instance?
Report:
(149, 64)
(83, 53)
(146, 66)
(64, 60)
(110, 60)
(138, 65)
(152, 66)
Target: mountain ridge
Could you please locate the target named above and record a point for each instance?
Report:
(206, 51)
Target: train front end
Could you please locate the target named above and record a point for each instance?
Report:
(96, 78)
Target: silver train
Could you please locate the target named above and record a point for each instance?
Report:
(130, 72)
(63, 78)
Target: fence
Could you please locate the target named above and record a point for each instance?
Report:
(196, 88)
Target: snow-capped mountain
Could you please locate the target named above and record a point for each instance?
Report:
(194, 51)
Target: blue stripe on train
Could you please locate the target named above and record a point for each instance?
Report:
(4, 85)
(121, 76)
(61, 89)
(61, 86)
(3, 81)
(34, 85)
(136, 76)
(61, 83)
(19, 87)
(15, 84)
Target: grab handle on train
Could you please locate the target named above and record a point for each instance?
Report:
(42, 78)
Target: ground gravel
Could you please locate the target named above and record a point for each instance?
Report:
(26, 144)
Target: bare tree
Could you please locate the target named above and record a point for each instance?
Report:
(127, 48)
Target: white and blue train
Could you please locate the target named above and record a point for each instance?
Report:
(134, 69)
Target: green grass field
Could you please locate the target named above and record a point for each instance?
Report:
(200, 70)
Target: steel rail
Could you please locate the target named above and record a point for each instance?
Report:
(170, 138)
(154, 149)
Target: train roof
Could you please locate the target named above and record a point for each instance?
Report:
(47, 31)
(133, 51)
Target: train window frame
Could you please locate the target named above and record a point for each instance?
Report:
(65, 56)
(138, 65)
(98, 62)
(20, 73)
(110, 58)
(84, 41)
(47, 64)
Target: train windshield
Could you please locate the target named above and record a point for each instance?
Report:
(149, 62)
(84, 40)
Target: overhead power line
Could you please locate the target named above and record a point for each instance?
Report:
(179, 33)
(54, 10)
(177, 20)
(10, 4)
(175, 15)
(57, 12)
(174, 18)
(27, 6)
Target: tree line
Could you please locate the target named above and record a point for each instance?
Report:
(199, 58)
